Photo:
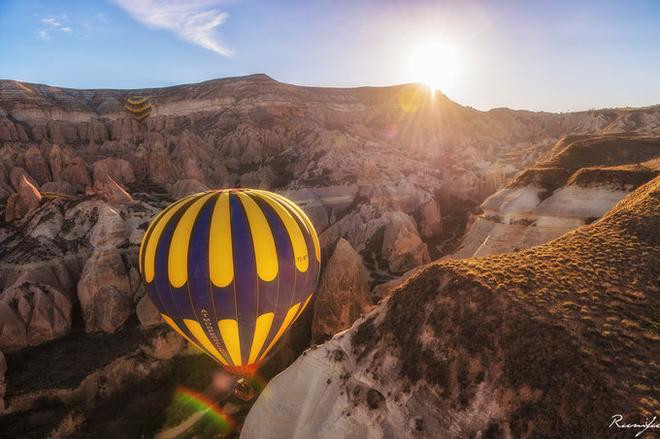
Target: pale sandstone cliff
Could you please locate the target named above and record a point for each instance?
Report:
(581, 180)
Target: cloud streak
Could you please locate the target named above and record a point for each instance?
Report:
(53, 23)
(194, 21)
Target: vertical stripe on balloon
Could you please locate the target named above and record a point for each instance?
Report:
(293, 230)
(174, 326)
(152, 241)
(246, 280)
(174, 305)
(291, 313)
(177, 264)
(221, 261)
(198, 332)
(261, 331)
(150, 229)
(280, 299)
(231, 337)
(198, 287)
(262, 239)
(303, 217)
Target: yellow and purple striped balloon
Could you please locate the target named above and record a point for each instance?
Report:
(231, 270)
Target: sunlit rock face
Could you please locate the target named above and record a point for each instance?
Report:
(104, 291)
(23, 201)
(576, 185)
(343, 293)
(430, 219)
(402, 246)
(501, 346)
(36, 164)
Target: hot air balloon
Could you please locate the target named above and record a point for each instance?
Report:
(139, 107)
(231, 270)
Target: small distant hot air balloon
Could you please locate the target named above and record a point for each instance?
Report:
(231, 270)
(139, 107)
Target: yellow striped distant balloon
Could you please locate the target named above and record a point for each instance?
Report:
(231, 270)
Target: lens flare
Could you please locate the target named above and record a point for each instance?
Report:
(390, 131)
(203, 403)
(411, 98)
(435, 63)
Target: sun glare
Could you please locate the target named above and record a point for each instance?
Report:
(435, 64)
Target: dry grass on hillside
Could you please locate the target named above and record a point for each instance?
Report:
(620, 177)
(601, 282)
(565, 334)
(619, 160)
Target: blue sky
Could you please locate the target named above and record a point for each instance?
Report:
(555, 55)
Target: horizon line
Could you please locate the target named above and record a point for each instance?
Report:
(331, 87)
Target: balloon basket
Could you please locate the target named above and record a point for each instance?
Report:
(244, 390)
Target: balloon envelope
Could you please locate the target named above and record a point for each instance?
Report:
(139, 107)
(230, 271)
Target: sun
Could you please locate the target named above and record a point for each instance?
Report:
(435, 64)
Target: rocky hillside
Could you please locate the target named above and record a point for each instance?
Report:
(582, 178)
(546, 342)
(257, 131)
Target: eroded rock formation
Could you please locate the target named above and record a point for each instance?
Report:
(69, 250)
(23, 201)
(104, 291)
(343, 292)
(33, 313)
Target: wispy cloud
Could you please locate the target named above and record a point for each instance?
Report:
(53, 23)
(194, 21)
(43, 35)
